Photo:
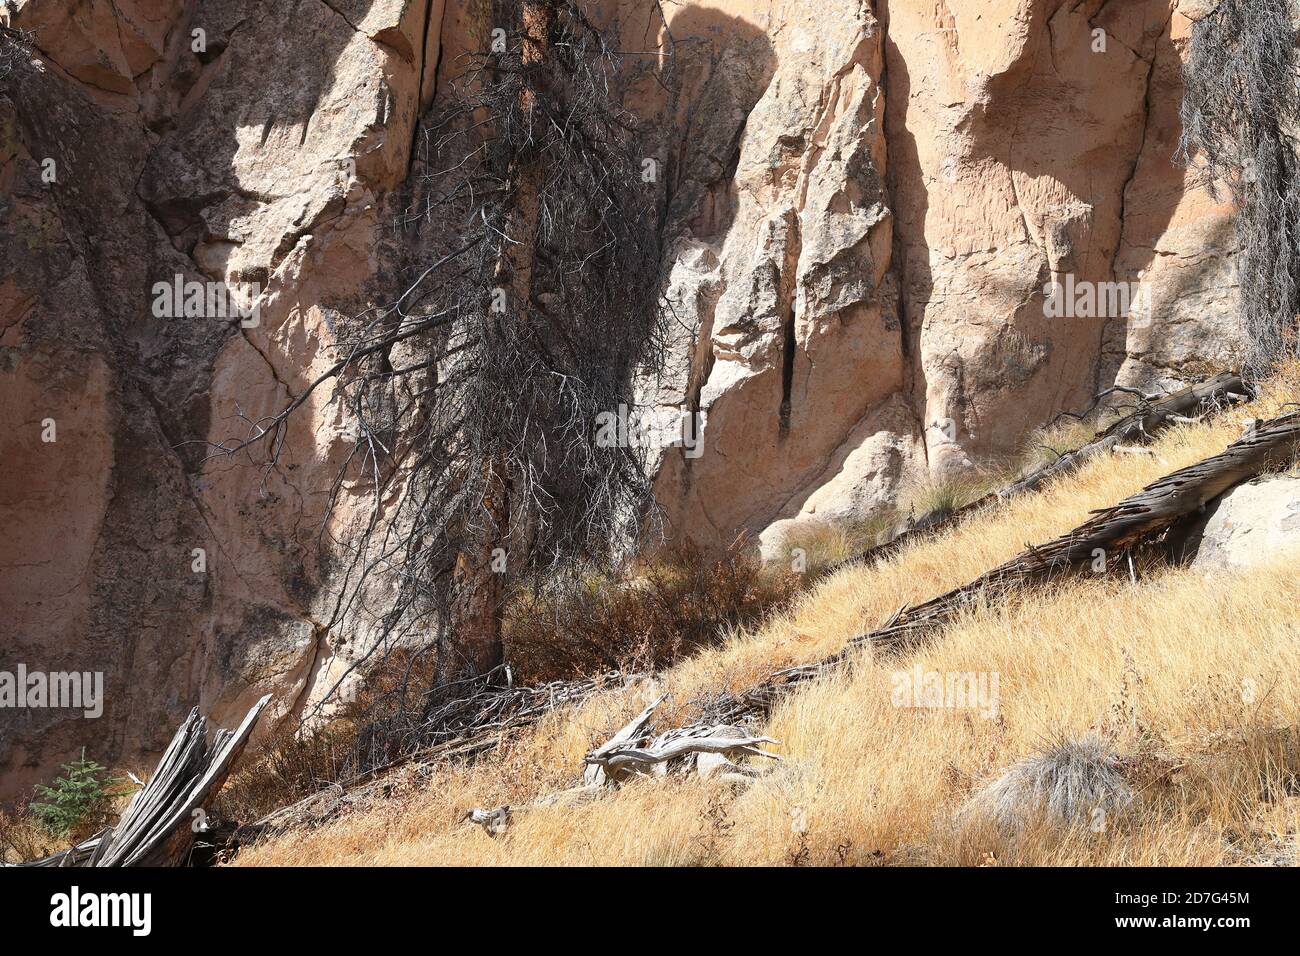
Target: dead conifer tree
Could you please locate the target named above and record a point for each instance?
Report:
(478, 591)
(1240, 112)
(477, 391)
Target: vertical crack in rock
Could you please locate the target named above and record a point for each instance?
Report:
(1104, 373)
(787, 367)
(913, 370)
(786, 305)
(422, 66)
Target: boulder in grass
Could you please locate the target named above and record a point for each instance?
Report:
(1252, 523)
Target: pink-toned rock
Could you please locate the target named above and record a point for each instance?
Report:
(865, 205)
(798, 341)
(250, 156)
(1010, 144)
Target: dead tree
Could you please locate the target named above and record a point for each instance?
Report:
(1241, 104)
(478, 390)
(15, 45)
(164, 816)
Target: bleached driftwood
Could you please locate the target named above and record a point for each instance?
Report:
(628, 753)
(593, 773)
(684, 745)
(709, 750)
(158, 828)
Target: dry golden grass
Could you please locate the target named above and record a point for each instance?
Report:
(825, 543)
(22, 838)
(949, 494)
(1194, 679)
(1045, 445)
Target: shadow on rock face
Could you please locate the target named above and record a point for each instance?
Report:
(207, 155)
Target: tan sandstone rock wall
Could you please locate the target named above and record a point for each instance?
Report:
(904, 248)
(864, 202)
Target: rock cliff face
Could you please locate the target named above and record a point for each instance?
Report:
(909, 183)
(866, 203)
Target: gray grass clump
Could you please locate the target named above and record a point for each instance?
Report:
(1063, 786)
(1241, 106)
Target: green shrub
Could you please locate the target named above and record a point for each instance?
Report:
(75, 802)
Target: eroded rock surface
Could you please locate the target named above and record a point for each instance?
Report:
(901, 211)
(236, 143)
(865, 202)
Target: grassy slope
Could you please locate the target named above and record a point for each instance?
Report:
(1157, 667)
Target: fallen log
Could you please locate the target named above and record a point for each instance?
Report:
(657, 755)
(1140, 518)
(1145, 422)
(593, 773)
(160, 823)
(463, 721)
